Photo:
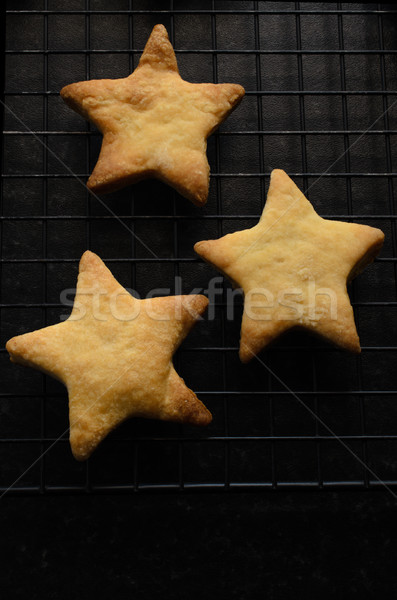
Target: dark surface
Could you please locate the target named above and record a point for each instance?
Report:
(261, 434)
(273, 546)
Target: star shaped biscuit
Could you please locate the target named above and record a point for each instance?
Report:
(154, 124)
(293, 267)
(114, 354)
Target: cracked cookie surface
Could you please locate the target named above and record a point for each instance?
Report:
(154, 124)
(293, 267)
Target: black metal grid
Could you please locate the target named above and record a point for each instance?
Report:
(317, 76)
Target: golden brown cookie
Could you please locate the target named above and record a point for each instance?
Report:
(154, 123)
(293, 267)
(114, 354)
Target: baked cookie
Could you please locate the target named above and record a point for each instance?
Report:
(293, 267)
(154, 123)
(114, 354)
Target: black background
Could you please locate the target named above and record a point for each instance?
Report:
(243, 546)
(267, 543)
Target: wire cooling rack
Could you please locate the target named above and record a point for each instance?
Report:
(321, 104)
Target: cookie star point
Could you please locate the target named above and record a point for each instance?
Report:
(114, 354)
(154, 124)
(293, 267)
(158, 52)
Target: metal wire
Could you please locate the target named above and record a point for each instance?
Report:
(259, 439)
